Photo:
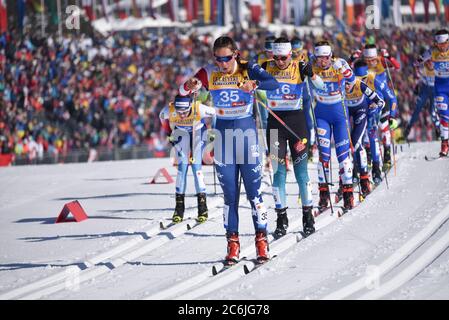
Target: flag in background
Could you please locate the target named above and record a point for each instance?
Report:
(188, 5)
(173, 9)
(446, 10)
(235, 11)
(437, 4)
(338, 8)
(349, 12)
(412, 7)
(36, 5)
(256, 10)
(220, 12)
(20, 13)
(285, 11)
(51, 5)
(87, 6)
(385, 9)
(299, 8)
(206, 11)
(269, 6)
(323, 11)
(136, 12)
(397, 16)
(3, 16)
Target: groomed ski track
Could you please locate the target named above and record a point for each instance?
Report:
(394, 245)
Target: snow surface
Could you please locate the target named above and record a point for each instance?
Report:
(120, 252)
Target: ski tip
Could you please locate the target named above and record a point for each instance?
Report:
(246, 269)
(300, 236)
(216, 269)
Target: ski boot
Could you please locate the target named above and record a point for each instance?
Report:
(324, 196)
(369, 159)
(281, 223)
(233, 248)
(377, 174)
(444, 148)
(179, 209)
(339, 193)
(262, 248)
(348, 197)
(407, 132)
(387, 159)
(365, 185)
(202, 208)
(310, 153)
(307, 221)
(355, 176)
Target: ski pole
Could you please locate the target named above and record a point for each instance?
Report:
(259, 115)
(315, 127)
(350, 141)
(391, 135)
(215, 178)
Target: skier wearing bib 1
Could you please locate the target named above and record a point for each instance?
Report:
(287, 103)
(185, 120)
(232, 83)
(331, 118)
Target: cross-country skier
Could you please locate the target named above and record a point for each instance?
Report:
(331, 118)
(379, 63)
(425, 89)
(360, 99)
(232, 83)
(301, 54)
(440, 58)
(186, 121)
(287, 103)
(374, 111)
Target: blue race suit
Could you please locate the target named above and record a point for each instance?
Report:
(236, 146)
(330, 113)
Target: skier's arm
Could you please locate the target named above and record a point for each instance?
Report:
(306, 70)
(372, 95)
(266, 80)
(164, 118)
(208, 112)
(200, 79)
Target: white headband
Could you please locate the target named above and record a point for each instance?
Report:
(282, 49)
(370, 53)
(182, 104)
(323, 51)
(441, 38)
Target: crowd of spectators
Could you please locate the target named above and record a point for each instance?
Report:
(82, 92)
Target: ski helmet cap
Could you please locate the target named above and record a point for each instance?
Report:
(297, 44)
(323, 50)
(361, 71)
(442, 38)
(282, 48)
(183, 103)
(370, 53)
(269, 43)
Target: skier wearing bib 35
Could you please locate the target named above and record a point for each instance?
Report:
(232, 83)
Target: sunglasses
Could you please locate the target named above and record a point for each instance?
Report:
(183, 112)
(224, 59)
(282, 58)
(323, 57)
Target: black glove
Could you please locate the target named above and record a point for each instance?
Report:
(307, 70)
(416, 90)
